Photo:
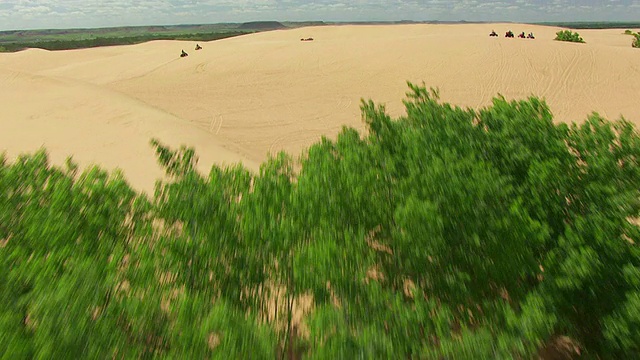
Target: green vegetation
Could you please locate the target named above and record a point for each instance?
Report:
(636, 38)
(16, 40)
(295, 24)
(64, 39)
(11, 41)
(110, 41)
(568, 35)
(445, 233)
(262, 25)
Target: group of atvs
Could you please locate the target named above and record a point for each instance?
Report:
(184, 54)
(510, 34)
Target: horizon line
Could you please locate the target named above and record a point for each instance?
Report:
(329, 22)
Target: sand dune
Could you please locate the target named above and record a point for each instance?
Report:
(96, 126)
(239, 98)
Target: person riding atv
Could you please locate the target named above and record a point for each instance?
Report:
(198, 47)
(530, 36)
(509, 34)
(183, 54)
(521, 36)
(493, 33)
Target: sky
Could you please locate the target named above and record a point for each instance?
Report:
(62, 14)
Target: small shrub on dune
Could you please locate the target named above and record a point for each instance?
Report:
(636, 38)
(568, 35)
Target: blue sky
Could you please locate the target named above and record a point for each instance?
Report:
(38, 14)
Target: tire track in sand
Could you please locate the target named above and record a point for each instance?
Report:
(587, 89)
(570, 67)
(501, 80)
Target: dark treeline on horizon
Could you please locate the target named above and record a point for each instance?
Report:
(294, 24)
(112, 41)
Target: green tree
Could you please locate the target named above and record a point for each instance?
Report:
(444, 233)
(64, 236)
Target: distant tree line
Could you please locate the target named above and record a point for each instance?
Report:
(111, 41)
(593, 25)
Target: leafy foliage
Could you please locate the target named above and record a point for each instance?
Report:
(636, 38)
(444, 233)
(568, 35)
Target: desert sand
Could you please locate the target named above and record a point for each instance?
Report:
(238, 99)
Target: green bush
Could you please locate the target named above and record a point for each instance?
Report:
(636, 38)
(491, 232)
(568, 35)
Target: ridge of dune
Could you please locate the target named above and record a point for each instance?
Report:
(240, 98)
(270, 91)
(97, 65)
(96, 126)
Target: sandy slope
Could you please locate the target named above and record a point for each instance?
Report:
(239, 98)
(96, 126)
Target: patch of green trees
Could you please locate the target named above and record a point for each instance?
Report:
(445, 233)
(568, 35)
(68, 44)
